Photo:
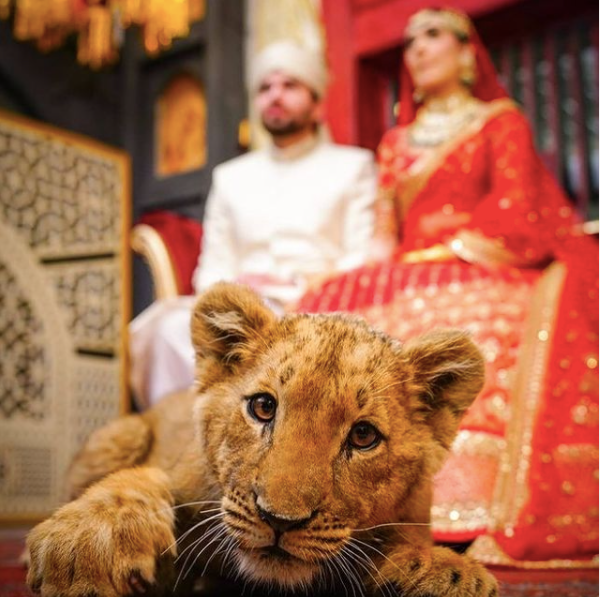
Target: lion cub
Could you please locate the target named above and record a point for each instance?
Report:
(302, 460)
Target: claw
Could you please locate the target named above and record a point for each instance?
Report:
(138, 584)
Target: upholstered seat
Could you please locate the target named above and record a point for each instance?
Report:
(170, 245)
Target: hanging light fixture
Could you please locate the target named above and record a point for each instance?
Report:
(98, 23)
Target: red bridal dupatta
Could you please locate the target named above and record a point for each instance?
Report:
(522, 478)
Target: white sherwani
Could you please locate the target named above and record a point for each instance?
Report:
(290, 214)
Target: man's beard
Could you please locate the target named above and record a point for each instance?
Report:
(287, 128)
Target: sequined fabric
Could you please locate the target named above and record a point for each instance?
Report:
(524, 469)
(493, 307)
(493, 174)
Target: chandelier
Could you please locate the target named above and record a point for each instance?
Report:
(99, 24)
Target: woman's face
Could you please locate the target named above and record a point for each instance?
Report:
(286, 105)
(434, 57)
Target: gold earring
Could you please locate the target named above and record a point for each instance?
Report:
(468, 73)
(418, 95)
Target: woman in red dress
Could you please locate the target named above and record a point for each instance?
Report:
(473, 232)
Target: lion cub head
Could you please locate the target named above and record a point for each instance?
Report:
(318, 428)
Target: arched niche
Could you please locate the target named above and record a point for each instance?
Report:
(181, 114)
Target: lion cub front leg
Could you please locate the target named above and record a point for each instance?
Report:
(435, 572)
(109, 542)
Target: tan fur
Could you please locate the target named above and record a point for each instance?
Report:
(290, 502)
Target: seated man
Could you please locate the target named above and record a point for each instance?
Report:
(276, 219)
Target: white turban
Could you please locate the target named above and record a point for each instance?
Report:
(295, 61)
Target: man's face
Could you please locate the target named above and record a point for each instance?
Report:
(285, 105)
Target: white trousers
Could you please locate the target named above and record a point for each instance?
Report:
(161, 355)
(161, 352)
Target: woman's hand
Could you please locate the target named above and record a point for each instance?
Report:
(438, 223)
(435, 253)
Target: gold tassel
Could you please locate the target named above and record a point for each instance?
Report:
(178, 14)
(197, 10)
(132, 12)
(29, 20)
(59, 13)
(83, 47)
(4, 9)
(95, 41)
(48, 22)
(59, 23)
(164, 22)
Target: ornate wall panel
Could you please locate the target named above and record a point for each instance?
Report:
(180, 134)
(64, 305)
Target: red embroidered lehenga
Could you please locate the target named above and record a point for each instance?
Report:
(523, 475)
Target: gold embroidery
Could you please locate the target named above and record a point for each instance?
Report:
(435, 253)
(486, 550)
(512, 487)
(495, 312)
(381, 284)
(431, 161)
(476, 248)
(386, 218)
(441, 119)
(464, 504)
(453, 20)
(585, 412)
(346, 293)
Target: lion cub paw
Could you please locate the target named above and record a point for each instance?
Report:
(110, 542)
(437, 572)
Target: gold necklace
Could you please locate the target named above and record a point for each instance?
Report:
(441, 119)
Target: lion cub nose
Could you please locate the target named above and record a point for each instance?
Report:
(280, 524)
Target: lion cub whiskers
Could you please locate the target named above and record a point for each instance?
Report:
(303, 458)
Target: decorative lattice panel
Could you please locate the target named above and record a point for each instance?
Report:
(64, 305)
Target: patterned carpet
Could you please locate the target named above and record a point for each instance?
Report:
(566, 589)
(548, 584)
(570, 583)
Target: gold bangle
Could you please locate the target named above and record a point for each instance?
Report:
(435, 253)
(476, 248)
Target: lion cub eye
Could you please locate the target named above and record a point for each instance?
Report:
(262, 407)
(363, 436)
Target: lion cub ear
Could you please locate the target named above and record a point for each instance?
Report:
(227, 322)
(448, 374)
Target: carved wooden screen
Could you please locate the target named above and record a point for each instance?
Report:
(64, 305)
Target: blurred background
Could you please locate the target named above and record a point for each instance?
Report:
(112, 110)
(164, 81)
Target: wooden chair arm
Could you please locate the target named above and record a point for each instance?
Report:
(148, 243)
